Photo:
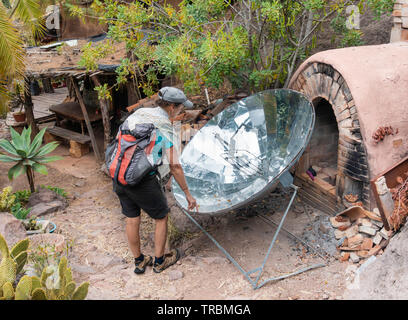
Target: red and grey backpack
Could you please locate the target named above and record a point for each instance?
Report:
(129, 157)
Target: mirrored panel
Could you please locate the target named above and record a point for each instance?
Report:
(241, 152)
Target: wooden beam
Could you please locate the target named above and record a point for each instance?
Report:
(105, 115)
(28, 106)
(86, 117)
(133, 96)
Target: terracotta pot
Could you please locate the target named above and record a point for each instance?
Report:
(19, 116)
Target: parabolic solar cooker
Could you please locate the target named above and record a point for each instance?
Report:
(243, 152)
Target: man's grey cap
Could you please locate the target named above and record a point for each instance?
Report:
(175, 95)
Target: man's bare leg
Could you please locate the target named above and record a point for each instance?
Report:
(160, 237)
(133, 236)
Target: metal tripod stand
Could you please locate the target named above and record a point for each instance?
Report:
(286, 180)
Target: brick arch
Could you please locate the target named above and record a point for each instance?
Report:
(320, 80)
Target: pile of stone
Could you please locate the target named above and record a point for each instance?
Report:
(360, 237)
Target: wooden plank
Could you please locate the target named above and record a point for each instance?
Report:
(311, 186)
(318, 202)
(44, 119)
(105, 115)
(99, 156)
(69, 134)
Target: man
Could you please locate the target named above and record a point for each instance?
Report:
(149, 194)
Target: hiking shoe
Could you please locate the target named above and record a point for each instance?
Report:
(169, 259)
(141, 266)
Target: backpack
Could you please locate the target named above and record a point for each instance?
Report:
(129, 157)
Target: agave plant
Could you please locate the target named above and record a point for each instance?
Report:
(29, 155)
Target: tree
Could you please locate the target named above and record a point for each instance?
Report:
(250, 43)
(13, 12)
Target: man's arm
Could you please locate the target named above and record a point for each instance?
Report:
(177, 171)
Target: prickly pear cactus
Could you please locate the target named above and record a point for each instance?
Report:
(24, 288)
(55, 284)
(58, 285)
(8, 291)
(19, 254)
(8, 267)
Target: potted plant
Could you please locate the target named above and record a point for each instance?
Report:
(20, 115)
(35, 226)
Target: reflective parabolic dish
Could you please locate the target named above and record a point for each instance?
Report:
(242, 151)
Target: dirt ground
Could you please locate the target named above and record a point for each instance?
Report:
(94, 226)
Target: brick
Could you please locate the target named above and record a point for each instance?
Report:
(346, 123)
(367, 230)
(355, 241)
(343, 228)
(337, 224)
(354, 257)
(367, 244)
(377, 239)
(352, 231)
(404, 22)
(342, 242)
(397, 13)
(363, 253)
(404, 35)
(344, 256)
(386, 234)
(374, 250)
(378, 224)
(363, 222)
(344, 114)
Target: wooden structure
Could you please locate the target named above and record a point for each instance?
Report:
(48, 65)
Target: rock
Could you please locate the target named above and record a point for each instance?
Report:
(367, 244)
(80, 183)
(45, 201)
(355, 241)
(105, 170)
(345, 256)
(352, 231)
(377, 224)
(367, 230)
(175, 275)
(377, 239)
(341, 242)
(364, 222)
(354, 257)
(42, 209)
(11, 229)
(386, 234)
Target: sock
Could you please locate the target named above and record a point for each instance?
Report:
(140, 258)
(158, 260)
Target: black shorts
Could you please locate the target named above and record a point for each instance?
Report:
(147, 195)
